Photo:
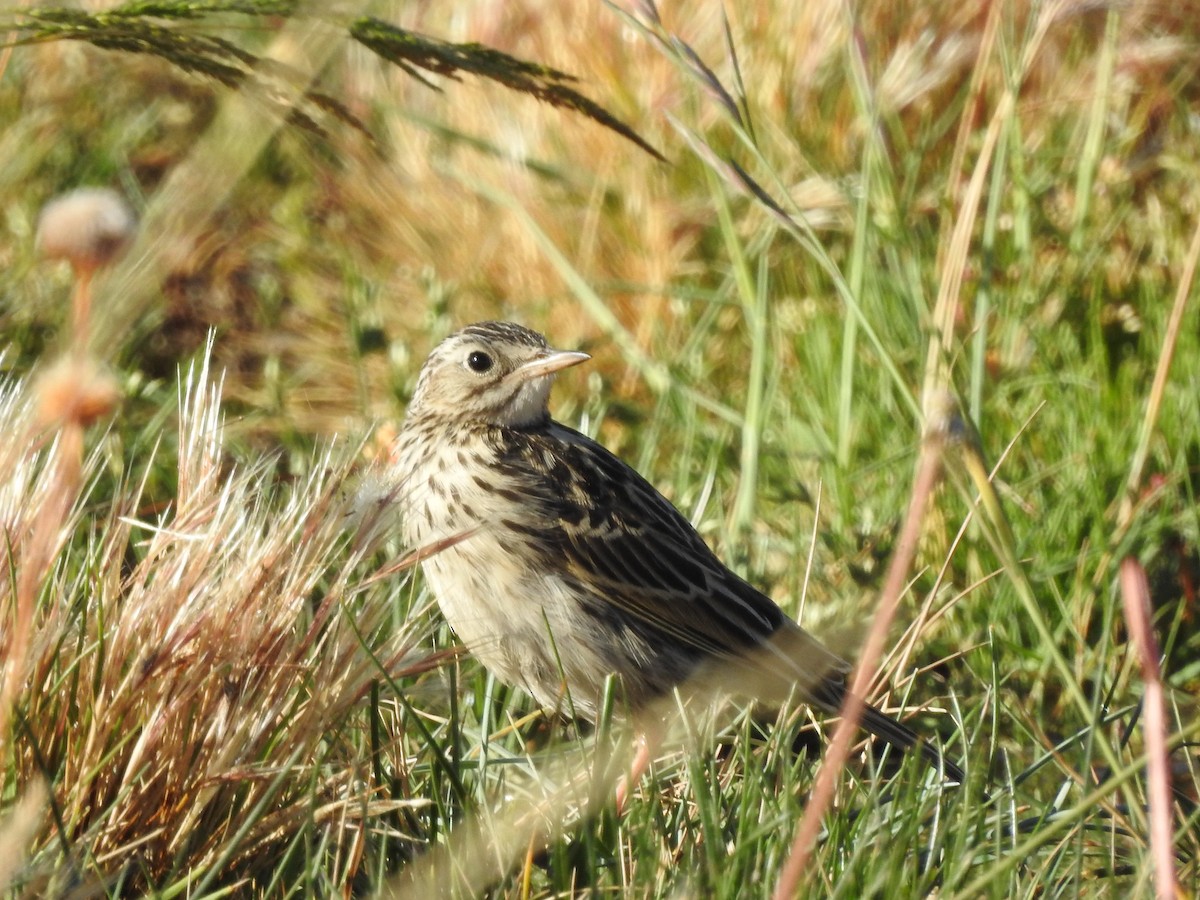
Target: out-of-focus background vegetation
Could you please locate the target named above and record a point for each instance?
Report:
(860, 204)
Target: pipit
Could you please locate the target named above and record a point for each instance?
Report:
(564, 566)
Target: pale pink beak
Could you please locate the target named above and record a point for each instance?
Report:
(549, 363)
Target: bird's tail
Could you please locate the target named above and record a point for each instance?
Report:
(902, 737)
(794, 663)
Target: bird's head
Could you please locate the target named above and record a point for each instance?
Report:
(496, 373)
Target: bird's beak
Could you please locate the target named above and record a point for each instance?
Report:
(548, 363)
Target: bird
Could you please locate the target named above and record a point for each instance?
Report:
(559, 565)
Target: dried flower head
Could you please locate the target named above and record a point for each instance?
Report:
(88, 227)
(76, 389)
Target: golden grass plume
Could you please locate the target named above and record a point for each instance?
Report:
(195, 682)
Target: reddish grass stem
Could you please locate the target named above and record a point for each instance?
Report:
(926, 479)
(1135, 596)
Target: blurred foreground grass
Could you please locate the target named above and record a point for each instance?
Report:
(223, 692)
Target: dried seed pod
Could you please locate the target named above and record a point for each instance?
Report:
(76, 389)
(88, 227)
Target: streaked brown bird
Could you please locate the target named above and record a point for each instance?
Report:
(569, 566)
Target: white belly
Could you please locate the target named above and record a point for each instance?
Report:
(525, 627)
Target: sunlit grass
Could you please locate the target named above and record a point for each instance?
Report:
(221, 695)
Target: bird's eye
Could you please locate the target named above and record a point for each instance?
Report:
(479, 362)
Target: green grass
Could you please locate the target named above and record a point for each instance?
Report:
(225, 692)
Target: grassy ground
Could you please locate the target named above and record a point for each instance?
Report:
(211, 686)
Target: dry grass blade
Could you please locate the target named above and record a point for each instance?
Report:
(17, 830)
(35, 528)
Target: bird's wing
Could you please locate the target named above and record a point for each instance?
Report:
(625, 542)
(622, 539)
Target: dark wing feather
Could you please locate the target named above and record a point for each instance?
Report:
(619, 536)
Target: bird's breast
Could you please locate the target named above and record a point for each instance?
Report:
(446, 487)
